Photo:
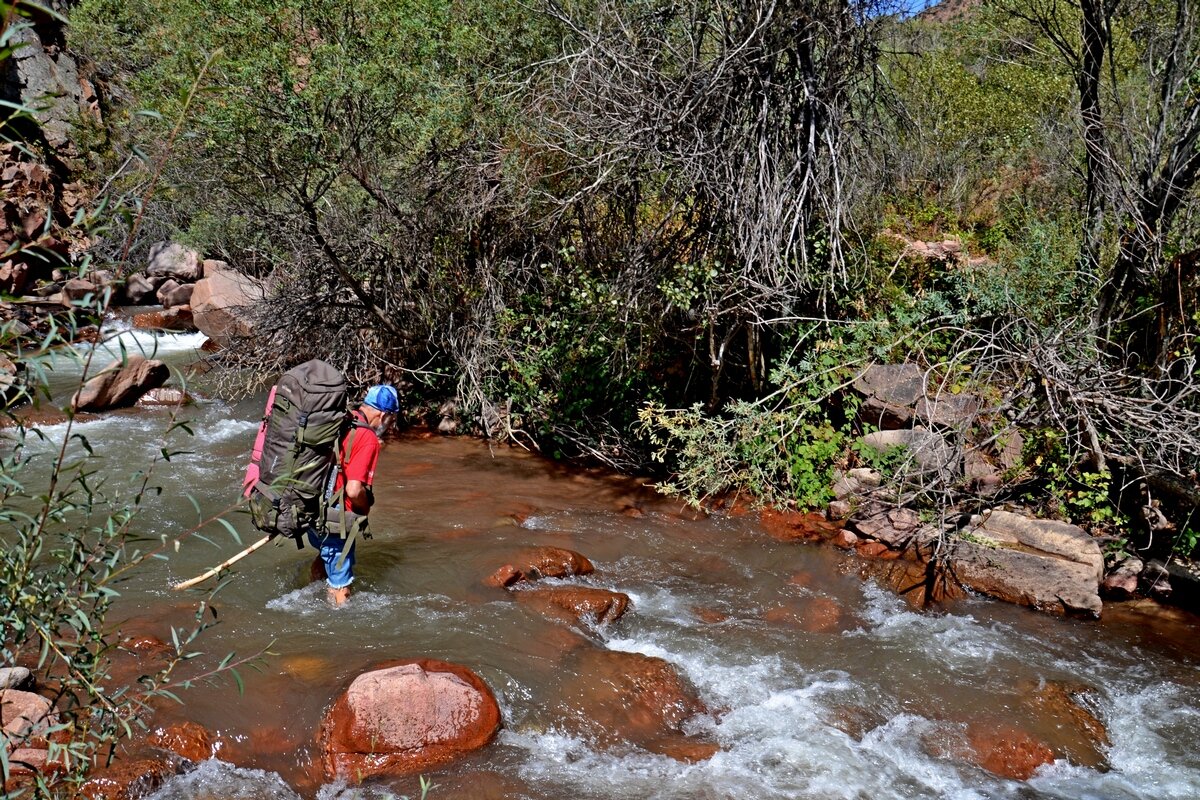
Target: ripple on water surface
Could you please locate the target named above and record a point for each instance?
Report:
(778, 696)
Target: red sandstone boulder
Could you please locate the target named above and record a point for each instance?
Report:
(120, 385)
(15, 277)
(76, 290)
(845, 539)
(582, 603)
(26, 764)
(169, 319)
(222, 303)
(1121, 582)
(406, 718)
(27, 718)
(168, 286)
(895, 527)
(870, 549)
(179, 296)
(1048, 565)
(139, 289)
(10, 381)
(541, 562)
(188, 740)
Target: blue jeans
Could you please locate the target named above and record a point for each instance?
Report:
(330, 547)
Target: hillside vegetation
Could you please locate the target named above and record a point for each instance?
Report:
(639, 230)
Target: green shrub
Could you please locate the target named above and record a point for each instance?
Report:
(69, 531)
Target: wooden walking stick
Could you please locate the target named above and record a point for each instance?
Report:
(226, 563)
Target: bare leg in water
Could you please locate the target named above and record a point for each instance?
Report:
(317, 573)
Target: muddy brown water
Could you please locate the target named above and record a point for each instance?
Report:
(819, 684)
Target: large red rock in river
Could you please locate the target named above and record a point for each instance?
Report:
(533, 563)
(406, 717)
(582, 603)
(121, 384)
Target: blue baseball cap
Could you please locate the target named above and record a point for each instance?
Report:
(384, 398)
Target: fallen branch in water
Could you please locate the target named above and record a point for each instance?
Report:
(223, 565)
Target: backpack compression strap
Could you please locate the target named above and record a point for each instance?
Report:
(340, 498)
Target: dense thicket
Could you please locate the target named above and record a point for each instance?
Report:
(577, 216)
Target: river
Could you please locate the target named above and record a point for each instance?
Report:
(847, 708)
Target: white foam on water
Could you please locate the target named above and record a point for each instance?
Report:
(540, 522)
(556, 759)
(660, 603)
(1150, 727)
(312, 600)
(151, 344)
(117, 425)
(218, 780)
(722, 679)
(305, 602)
(774, 749)
(342, 791)
(957, 640)
(225, 429)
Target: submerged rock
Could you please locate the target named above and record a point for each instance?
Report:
(541, 562)
(789, 526)
(582, 603)
(1006, 751)
(406, 718)
(189, 740)
(169, 319)
(1060, 709)
(809, 614)
(619, 698)
(129, 780)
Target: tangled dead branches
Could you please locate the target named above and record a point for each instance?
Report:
(1068, 379)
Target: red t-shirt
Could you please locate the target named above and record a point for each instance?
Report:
(358, 464)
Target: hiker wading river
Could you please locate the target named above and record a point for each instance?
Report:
(313, 465)
(358, 453)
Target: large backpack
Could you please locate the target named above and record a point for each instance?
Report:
(294, 458)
